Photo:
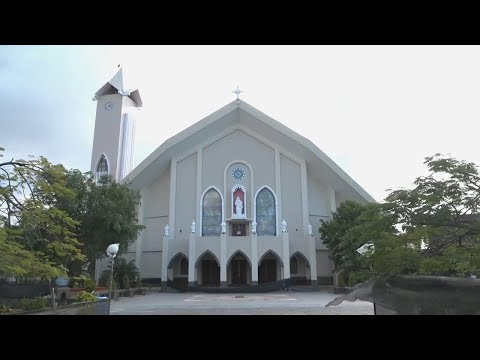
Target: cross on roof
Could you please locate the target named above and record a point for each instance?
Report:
(237, 92)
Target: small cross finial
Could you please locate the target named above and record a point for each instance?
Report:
(237, 92)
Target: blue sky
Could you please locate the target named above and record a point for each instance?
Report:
(375, 110)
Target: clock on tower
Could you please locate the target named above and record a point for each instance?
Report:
(113, 140)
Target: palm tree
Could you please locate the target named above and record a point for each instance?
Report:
(123, 273)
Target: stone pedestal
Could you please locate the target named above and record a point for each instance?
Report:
(254, 253)
(164, 274)
(286, 255)
(191, 259)
(312, 259)
(223, 260)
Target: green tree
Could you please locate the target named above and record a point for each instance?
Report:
(354, 225)
(36, 237)
(443, 209)
(106, 212)
(432, 229)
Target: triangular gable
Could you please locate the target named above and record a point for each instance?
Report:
(166, 151)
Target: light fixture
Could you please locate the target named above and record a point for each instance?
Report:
(112, 250)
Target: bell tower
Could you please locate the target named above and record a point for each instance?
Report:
(113, 140)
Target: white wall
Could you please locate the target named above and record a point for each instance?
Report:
(291, 201)
(324, 264)
(235, 243)
(185, 197)
(265, 243)
(152, 265)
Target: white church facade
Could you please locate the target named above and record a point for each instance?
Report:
(236, 199)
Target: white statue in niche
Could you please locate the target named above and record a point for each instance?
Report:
(310, 232)
(284, 226)
(238, 207)
(167, 228)
(193, 227)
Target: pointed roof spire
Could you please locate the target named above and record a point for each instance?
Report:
(118, 83)
(117, 80)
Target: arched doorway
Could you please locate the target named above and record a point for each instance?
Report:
(208, 270)
(239, 270)
(270, 268)
(178, 271)
(299, 269)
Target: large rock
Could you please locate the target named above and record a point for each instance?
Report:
(418, 295)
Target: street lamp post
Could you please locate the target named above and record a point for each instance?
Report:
(112, 251)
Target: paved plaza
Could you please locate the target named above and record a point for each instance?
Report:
(276, 303)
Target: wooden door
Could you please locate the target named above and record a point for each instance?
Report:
(210, 273)
(239, 272)
(267, 271)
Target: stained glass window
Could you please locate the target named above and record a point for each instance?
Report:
(265, 208)
(211, 213)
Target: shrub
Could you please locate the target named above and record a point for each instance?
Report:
(123, 274)
(89, 285)
(34, 304)
(84, 296)
(104, 280)
(4, 309)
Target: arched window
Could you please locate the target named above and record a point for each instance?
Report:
(183, 266)
(102, 168)
(265, 213)
(102, 165)
(211, 213)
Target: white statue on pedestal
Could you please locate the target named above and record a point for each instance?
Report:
(254, 227)
(193, 227)
(167, 228)
(238, 207)
(284, 226)
(310, 232)
(224, 227)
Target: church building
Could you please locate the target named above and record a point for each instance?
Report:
(235, 199)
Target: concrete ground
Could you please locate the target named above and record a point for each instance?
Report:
(275, 303)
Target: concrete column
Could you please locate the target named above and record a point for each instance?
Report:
(138, 245)
(305, 206)
(254, 253)
(223, 260)
(333, 208)
(192, 258)
(199, 186)
(331, 199)
(278, 190)
(286, 256)
(165, 262)
(173, 189)
(313, 259)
